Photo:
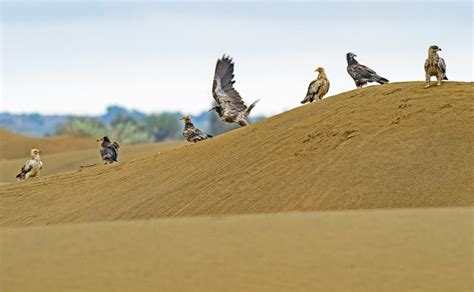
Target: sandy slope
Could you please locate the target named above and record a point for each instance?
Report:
(18, 146)
(397, 250)
(72, 160)
(391, 146)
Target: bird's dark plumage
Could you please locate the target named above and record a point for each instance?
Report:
(108, 150)
(230, 106)
(191, 133)
(361, 73)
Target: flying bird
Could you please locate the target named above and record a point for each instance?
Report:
(191, 133)
(108, 150)
(361, 73)
(230, 106)
(32, 166)
(434, 66)
(318, 87)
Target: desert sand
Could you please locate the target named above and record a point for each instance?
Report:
(392, 146)
(371, 189)
(18, 146)
(71, 160)
(393, 250)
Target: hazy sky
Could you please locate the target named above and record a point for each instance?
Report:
(80, 56)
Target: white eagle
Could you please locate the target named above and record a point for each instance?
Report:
(32, 167)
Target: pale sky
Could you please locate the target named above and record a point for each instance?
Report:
(80, 56)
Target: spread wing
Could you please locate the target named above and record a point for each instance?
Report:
(223, 89)
(359, 72)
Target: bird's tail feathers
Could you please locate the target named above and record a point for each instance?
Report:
(307, 98)
(445, 77)
(381, 80)
(249, 109)
(209, 136)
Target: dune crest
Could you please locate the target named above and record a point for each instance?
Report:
(392, 146)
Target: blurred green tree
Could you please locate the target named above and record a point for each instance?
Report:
(164, 126)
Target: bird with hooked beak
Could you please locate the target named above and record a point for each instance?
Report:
(108, 150)
(318, 87)
(434, 66)
(32, 166)
(362, 74)
(230, 106)
(191, 133)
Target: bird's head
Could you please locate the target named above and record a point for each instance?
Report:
(185, 118)
(319, 70)
(35, 152)
(103, 139)
(351, 55)
(434, 48)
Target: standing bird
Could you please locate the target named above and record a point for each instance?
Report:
(318, 87)
(32, 167)
(361, 73)
(434, 66)
(108, 150)
(191, 133)
(230, 106)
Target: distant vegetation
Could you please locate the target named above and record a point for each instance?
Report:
(121, 124)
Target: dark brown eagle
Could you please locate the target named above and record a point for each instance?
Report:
(361, 73)
(108, 150)
(434, 66)
(230, 106)
(191, 133)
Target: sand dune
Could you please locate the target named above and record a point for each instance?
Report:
(70, 161)
(399, 250)
(383, 147)
(391, 146)
(13, 145)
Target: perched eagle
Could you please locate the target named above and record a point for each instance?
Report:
(230, 106)
(361, 73)
(434, 66)
(318, 87)
(108, 150)
(191, 133)
(32, 167)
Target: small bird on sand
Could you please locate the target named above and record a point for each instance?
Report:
(318, 87)
(191, 133)
(361, 73)
(108, 150)
(230, 106)
(32, 166)
(434, 66)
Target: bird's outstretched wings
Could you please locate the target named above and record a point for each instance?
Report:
(223, 89)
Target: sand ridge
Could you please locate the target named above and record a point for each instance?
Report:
(14, 145)
(71, 161)
(392, 146)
